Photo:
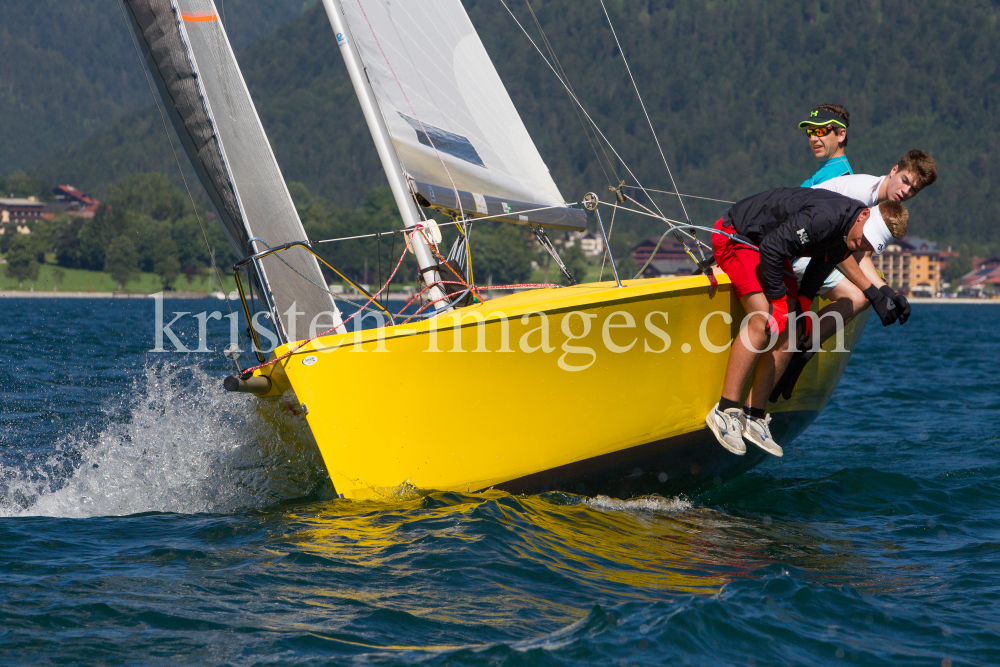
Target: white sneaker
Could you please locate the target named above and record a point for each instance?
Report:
(728, 427)
(758, 431)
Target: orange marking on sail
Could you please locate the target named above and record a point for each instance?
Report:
(199, 17)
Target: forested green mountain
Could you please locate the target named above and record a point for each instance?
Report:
(725, 83)
(68, 69)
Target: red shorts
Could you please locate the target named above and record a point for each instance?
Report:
(742, 264)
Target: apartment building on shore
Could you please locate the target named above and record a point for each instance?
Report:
(912, 266)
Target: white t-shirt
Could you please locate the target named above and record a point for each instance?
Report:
(860, 187)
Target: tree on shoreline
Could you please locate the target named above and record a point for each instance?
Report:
(122, 261)
(165, 262)
(22, 263)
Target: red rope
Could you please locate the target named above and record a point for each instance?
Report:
(522, 286)
(447, 282)
(343, 322)
(444, 262)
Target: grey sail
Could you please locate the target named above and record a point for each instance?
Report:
(192, 62)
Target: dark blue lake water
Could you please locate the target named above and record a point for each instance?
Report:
(146, 518)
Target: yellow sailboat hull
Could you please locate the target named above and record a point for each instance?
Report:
(589, 389)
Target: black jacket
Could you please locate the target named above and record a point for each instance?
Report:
(796, 222)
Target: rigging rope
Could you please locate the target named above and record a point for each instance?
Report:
(679, 194)
(646, 113)
(372, 298)
(313, 282)
(573, 96)
(703, 264)
(376, 295)
(680, 226)
(505, 216)
(444, 262)
(667, 220)
(569, 86)
(597, 129)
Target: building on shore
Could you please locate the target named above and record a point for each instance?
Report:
(591, 244)
(670, 258)
(74, 201)
(18, 214)
(912, 266)
(983, 280)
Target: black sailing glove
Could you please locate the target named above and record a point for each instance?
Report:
(883, 306)
(902, 305)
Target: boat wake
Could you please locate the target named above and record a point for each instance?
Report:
(651, 503)
(181, 445)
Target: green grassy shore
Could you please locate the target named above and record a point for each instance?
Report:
(53, 278)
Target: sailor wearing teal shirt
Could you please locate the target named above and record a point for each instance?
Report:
(826, 128)
(832, 168)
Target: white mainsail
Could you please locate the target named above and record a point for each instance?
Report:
(189, 55)
(452, 124)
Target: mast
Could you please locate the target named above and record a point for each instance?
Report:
(386, 151)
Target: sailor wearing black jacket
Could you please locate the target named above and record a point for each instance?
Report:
(785, 223)
(796, 222)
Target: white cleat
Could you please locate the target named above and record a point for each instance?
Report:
(728, 427)
(758, 431)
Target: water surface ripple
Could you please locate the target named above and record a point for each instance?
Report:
(148, 519)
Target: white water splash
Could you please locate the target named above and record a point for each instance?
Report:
(186, 446)
(652, 503)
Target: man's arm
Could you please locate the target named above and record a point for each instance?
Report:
(864, 260)
(880, 294)
(852, 271)
(778, 245)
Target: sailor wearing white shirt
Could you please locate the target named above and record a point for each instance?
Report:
(899, 185)
(914, 171)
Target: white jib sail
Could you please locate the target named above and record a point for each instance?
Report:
(452, 123)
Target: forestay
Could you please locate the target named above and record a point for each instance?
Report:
(451, 121)
(190, 57)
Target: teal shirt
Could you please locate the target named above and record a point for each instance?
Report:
(838, 166)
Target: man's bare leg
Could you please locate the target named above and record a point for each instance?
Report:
(848, 300)
(763, 378)
(742, 358)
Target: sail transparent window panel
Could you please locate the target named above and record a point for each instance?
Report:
(427, 65)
